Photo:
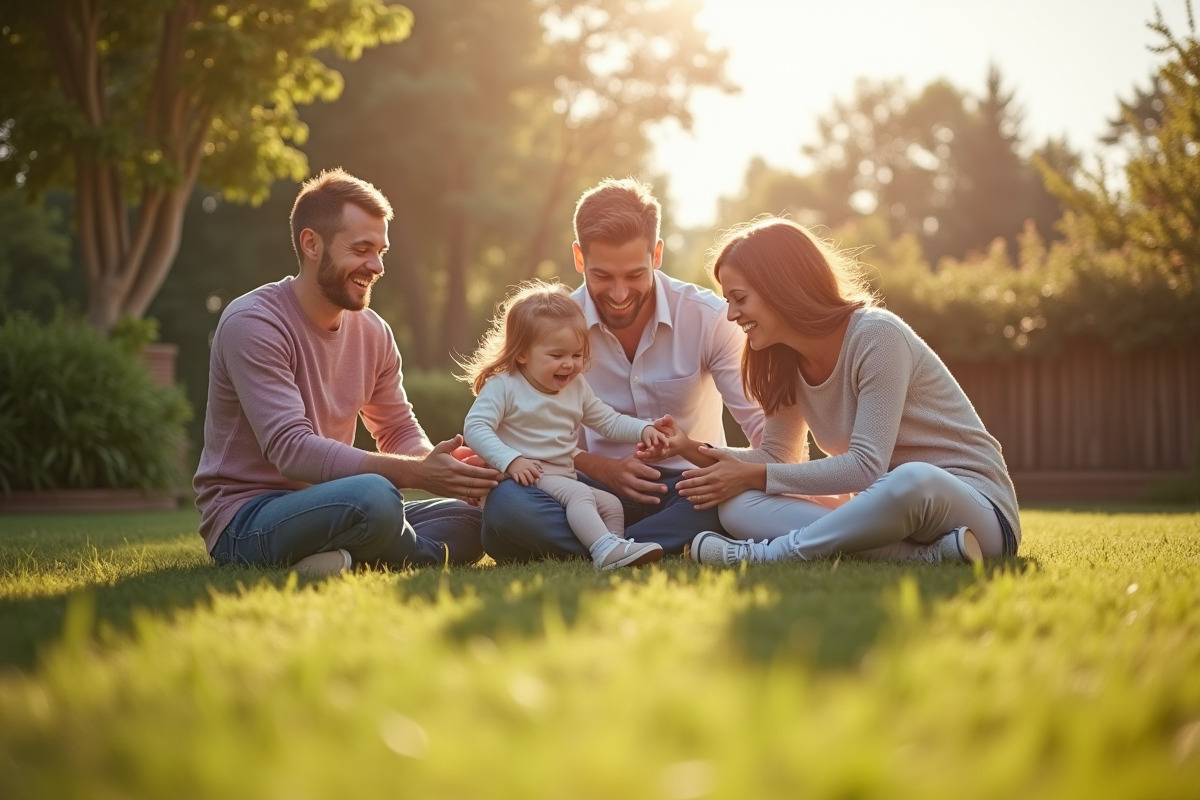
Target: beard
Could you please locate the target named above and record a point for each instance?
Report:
(618, 321)
(334, 285)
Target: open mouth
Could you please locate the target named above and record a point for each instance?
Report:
(749, 326)
(623, 307)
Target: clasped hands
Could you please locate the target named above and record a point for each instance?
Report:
(718, 475)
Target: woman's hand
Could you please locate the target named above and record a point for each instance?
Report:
(725, 478)
(525, 471)
(674, 442)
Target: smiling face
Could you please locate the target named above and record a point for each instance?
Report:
(352, 260)
(554, 360)
(620, 280)
(762, 325)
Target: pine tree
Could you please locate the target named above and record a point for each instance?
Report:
(1156, 218)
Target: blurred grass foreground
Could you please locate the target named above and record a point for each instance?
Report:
(129, 667)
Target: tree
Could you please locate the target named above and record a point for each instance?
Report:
(1156, 218)
(132, 103)
(484, 127)
(941, 166)
(618, 66)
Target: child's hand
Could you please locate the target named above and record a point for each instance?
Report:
(654, 442)
(662, 439)
(525, 471)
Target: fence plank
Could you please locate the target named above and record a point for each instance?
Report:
(1091, 412)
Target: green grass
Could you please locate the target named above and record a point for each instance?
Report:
(129, 667)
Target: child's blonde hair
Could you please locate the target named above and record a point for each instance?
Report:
(530, 310)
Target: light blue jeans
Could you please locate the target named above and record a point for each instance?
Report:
(913, 505)
(364, 514)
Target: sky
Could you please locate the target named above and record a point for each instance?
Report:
(1066, 61)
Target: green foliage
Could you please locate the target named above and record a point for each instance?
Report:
(1155, 221)
(1051, 294)
(132, 334)
(35, 248)
(129, 666)
(78, 411)
(939, 166)
(129, 104)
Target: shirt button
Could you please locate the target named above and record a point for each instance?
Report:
(635, 379)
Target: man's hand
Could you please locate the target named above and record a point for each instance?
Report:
(442, 474)
(627, 477)
(725, 478)
(525, 471)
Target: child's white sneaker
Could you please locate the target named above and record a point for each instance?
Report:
(629, 553)
(323, 565)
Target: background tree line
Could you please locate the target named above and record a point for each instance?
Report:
(483, 121)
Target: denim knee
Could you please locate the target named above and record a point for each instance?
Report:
(377, 497)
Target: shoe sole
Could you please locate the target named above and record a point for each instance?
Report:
(968, 546)
(637, 559)
(323, 565)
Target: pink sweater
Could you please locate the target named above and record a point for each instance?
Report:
(284, 396)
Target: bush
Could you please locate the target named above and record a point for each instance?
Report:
(79, 411)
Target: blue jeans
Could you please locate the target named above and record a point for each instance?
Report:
(523, 523)
(364, 514)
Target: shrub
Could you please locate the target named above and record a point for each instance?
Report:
(80, 411)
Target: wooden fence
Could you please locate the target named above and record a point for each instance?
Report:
(1090, 424)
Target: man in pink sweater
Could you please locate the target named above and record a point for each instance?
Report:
(293, 365)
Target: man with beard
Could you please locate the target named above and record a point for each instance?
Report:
(293, 366)
(659, 346)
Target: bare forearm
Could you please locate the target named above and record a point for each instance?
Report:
(405, 472)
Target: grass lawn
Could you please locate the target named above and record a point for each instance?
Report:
(129, 667)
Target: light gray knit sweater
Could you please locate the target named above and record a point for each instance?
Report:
(889, 401)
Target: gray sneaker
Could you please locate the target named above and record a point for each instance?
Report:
(714, 549)
(323, 565)
(631, 554)
(960, 546)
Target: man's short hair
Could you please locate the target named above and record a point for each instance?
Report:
(615, 212)
(323, 198)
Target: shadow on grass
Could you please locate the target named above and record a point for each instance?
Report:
(32, 624)
(826, 614)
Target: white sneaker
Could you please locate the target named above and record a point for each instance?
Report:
(323, 565)
(960, 546)
(629, 553)
(714, 549)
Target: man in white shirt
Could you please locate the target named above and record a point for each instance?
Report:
(659, 346)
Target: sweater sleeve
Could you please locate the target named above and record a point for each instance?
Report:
(387, 414)
(607, 421)
(257, 358)
(882, 364)
(479, 429)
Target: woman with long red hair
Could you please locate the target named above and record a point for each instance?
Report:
(911, 472)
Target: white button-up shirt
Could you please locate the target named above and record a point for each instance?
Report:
(687, 364)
